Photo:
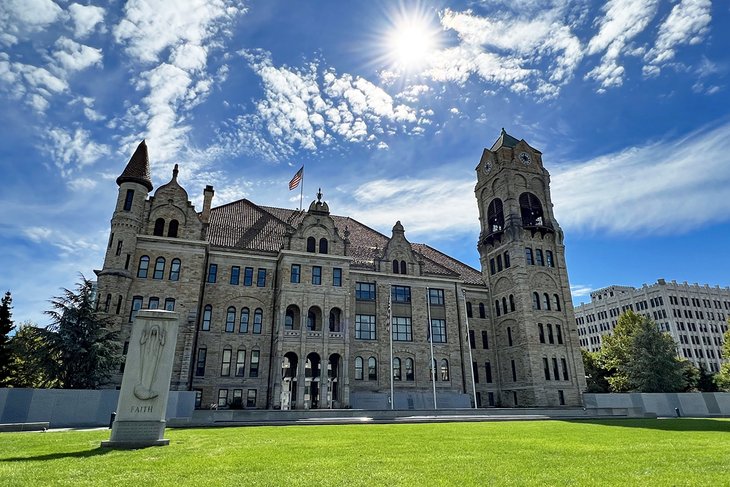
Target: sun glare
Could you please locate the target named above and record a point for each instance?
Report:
(410, 39)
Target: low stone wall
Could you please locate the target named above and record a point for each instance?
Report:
(691, 404)
(73, 408)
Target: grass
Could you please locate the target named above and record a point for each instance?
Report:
(616, 452)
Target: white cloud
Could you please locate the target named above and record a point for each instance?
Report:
(19, 18)
(665, 187)
(580, 290)
(687, 23)
(72, 56)
(623, 21)
(72, 151)
(85, 18)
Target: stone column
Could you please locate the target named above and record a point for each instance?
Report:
(140, 420)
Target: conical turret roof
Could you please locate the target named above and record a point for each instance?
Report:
(138, 168)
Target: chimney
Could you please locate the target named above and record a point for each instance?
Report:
(207, 200)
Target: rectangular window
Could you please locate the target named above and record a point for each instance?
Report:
(559, 329)
(240, 363)
(136, 306)
(358, 368)
(365, 291)
(253, 370)
(258, 319)
(235, 275)
(154, 303)
(212, 272)
(514, 371)
(475, 371)
(251, 398)
(492, 266)
(565, 368)
(556, 372)
(226, 363)
(316, 275)
(490, 398)
(337, 277)
(119, 247)
(296, 272)
(436, 297)
(401, 294)
(402, 329)
(222, 398)
(546, 368)
(126, 262)
(365, 327)
(528, 256)
(485, 339)
(237, 398)
(248, 276)
(169, 304)
(509, 335)
(207, 316)
(488, 369)
(198, 398)
(506, 260)
(438, 330)
(538, 257)
(128, 199)
(472, 340)
(261, 278)
(200, 363)
(499, 263)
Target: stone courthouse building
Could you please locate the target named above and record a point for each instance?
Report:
(292, 309)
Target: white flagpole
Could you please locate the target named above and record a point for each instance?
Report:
(468, 343)
(430, 341)
(390, 330)
(301, 190)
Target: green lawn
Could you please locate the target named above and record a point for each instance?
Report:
(616, 452)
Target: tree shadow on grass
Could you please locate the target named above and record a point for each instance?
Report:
(668, 424)
(59, 455)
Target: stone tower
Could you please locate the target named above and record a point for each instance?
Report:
(523, 263)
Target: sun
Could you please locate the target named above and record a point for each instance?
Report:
(410, 38)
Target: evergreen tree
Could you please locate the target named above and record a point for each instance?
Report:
(596, 375)
(722, 378)
(84, 352)
(6, 326)
(706, 381)
(640, 358)
(30, 362)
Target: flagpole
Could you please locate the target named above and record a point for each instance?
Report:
(301, 190)
(390, 330)
(471, 360)
(430, 340)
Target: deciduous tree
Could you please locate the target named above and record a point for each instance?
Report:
(596, 375)
(30, 361)
(6, 326)
(722, 378)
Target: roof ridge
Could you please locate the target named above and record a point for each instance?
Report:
(449, 257)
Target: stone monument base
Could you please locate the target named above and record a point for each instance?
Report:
(136, 434)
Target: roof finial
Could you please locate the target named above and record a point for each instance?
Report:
(174, 172)
(319, 195)
(503, 131)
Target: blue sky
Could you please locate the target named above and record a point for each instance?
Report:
(387, 104)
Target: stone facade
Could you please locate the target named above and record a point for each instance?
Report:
(694, 316)
(292, 309)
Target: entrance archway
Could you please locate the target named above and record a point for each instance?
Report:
(333, 381)
(289, 381)
(312, 378)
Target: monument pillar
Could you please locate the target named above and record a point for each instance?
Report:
(140, 420)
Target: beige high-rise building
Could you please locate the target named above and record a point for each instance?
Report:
(296, 309)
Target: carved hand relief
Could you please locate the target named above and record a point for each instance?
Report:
(152, 342)
(543, 280)
(503, 284)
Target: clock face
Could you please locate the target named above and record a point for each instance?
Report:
(525, 158)
(488, 167)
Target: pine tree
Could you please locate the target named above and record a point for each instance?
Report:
(6, 326)
(84, 351)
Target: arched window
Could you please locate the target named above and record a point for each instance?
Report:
(311, 244)
(311, 320)
(482, 311)
(291, 319)
(556, 300)
(144, 265)
(323, 246)
(559, 332)
(175, 269)
(403, 267)
(396, 268)
(531, 210)
(243, 321)
(542, 332)
(159, 227)
(159, 268)
(511, 302)
(469, 312)
(258, 319)
(335, 319)
(432, 370)
(372, 369)
(551, 339)
(496, 307)
(535, 301)
(107, 303)
(230, 319)
(396, 369)
(504, 304)
(444, 369)
(172, 229)
(207, 316)
(358, 368)
(546, 301)
(410, 375)
(495, 216)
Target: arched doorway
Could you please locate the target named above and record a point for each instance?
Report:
(311, 381)
(333, 381)
(289, 381)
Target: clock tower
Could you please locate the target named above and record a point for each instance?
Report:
(523, 263)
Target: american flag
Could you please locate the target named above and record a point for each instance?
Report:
(296, 179)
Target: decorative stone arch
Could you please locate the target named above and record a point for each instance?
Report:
(314, 318)
(503, 284)
(543, 280)
(292, 317)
